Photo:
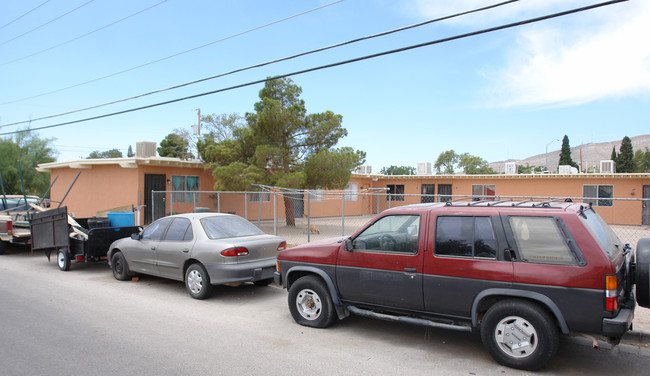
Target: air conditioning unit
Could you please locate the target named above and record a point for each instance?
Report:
(511, 168)
(424, 168)
(145, 149)
(364, 170)
(607, 167)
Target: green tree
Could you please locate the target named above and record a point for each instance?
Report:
(614, 155)
(30, 150)
(398, 170)
(113, 153)
(473, 165)
(129, 153)
(174, 145)
(528, 169)
(642, 160)
(625, 159)
(565, 154)
(446, 162)
(281, 145)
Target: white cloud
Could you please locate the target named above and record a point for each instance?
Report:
(608, 56)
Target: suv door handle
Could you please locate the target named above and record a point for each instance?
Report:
(410, 270)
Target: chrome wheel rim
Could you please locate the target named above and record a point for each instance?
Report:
(194, 281)
(309, 304)
(61, 260)
(516, 337)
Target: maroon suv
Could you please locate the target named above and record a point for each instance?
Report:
(520, 272)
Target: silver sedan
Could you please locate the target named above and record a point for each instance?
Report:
(202, 249)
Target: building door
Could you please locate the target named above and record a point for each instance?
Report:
(646, 206)
(154, 206)
(428, 189)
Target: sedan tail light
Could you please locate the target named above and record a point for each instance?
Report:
(282, 246)
(235, 251)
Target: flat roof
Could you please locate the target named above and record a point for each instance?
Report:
(122, 162)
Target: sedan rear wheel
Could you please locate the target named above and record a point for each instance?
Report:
(197, 281)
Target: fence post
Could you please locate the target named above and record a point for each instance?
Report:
(275, 216)
(218, 202)
(308, 219)
(343, 214)
(153, 217)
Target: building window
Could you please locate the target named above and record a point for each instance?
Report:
(352, 192)
(184, 188)
(594, 194)
(444, 192)
(483, 191)
(428, 193)
(259, 196)
(395, 192)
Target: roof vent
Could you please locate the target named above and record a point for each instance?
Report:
(145, 149)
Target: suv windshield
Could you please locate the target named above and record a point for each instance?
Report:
(602, 233)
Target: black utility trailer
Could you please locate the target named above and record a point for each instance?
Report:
(51, 231)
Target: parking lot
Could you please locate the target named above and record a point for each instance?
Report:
(86, 322)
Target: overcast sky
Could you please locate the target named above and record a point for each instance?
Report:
(499, 95)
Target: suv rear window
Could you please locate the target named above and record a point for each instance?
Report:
(539, 240)
(602, 233)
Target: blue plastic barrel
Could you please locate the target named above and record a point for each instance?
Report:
(120, 219)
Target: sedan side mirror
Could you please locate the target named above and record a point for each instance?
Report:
(136, 236)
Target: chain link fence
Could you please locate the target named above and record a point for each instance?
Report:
(309, 215)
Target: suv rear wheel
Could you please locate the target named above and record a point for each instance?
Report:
(310, 303)
(519, 334)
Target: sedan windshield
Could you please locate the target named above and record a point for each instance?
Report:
(219, 227)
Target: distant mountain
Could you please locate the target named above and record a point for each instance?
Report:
(586, 155)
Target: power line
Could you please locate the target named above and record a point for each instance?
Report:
(19, 17)
(47, 23)
(332, 65)
(270, 62)
(176, 54)
(81, 36)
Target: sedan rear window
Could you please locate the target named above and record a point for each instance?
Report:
(219, 227)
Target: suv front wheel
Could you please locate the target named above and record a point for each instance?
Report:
(310, 303)
(519, 334)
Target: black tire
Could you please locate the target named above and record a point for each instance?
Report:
(63, 259)
(197, 281)
(310, 303)
(536, 334)
(120, 267)
(263, 282)
(642, 272)
(3, 247)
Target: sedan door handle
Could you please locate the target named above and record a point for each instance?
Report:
(153, 247)
(185, 250)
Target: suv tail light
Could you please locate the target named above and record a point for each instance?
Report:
(235, 251)
(282, 246)
(611, 293)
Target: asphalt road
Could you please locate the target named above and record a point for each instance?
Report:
(84, 322)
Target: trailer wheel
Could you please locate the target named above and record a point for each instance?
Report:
(63, 259)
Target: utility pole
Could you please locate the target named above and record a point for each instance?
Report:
(198, 125)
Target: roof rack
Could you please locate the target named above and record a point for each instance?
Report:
(498, 202)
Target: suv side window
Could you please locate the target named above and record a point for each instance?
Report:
(539, 240)
(393, 233)
(465, 237)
